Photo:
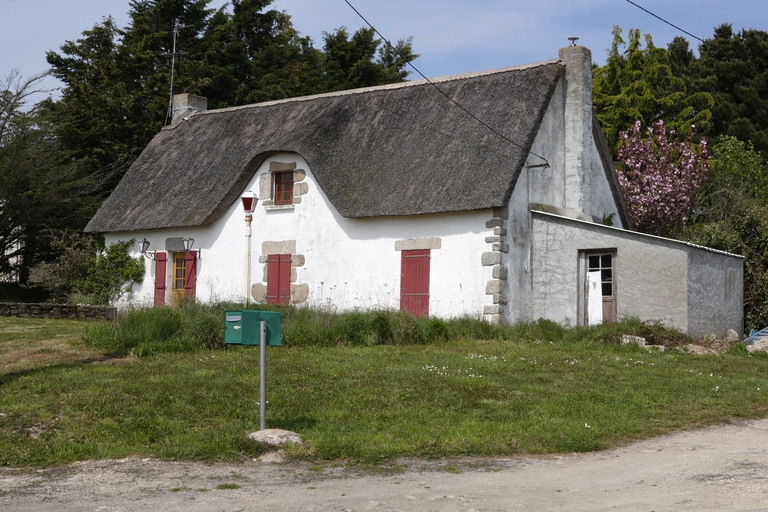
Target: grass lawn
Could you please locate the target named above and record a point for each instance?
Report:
(452, 398)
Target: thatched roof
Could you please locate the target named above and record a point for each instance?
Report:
(401, 149)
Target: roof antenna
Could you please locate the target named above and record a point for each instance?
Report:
(573, 40)
(176, 28)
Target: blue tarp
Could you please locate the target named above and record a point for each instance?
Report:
(753, 335)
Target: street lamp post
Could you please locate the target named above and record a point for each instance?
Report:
(249, 204)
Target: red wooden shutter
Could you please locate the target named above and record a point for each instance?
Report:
(285, 279)
(190, 274)
(414, 282)
(279, 279)
(160, 262)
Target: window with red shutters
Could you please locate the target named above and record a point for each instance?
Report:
(414, 282)
(283, 187)
(278, 279)
(160, 266)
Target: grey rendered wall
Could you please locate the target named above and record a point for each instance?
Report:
(651, 273)
(715, 293)
(547, 185)
(535, 185)
(599, 200)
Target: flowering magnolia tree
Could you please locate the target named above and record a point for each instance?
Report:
(659, 177)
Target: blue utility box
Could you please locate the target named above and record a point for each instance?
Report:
(242, 327)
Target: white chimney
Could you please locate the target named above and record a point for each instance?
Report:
(186, 104)
(578, 123)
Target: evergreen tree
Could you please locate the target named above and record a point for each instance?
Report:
(118, 81)
(42, 185)
(733, 68)
(638, 83)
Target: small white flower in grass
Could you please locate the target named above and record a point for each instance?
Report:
(716, 388)
(586, 425)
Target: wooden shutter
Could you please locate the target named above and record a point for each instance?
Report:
(414, 282)
(160, 262)
(279, 279)
(190, 274)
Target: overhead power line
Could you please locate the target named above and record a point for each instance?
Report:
(665, 21)
(430, 82)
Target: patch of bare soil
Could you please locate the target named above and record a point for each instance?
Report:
(718, 468)
(20, 356)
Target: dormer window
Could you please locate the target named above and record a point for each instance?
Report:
(283, 187)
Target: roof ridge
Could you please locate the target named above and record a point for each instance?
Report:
(398, 85)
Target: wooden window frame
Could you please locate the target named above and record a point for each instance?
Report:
(283, 187)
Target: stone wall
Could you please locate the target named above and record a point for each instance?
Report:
(45, 310)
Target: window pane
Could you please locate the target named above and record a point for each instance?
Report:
(594, 262)
(606, 260)
(607, 289)
(606, 274)
(283, 187)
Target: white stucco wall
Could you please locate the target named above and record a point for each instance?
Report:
(688, 288)
(349, 263)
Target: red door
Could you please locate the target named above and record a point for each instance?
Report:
(414, 282)
(278, 279)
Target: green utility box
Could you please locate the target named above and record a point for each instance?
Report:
(242, 327)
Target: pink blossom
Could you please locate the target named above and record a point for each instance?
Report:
(659, 177)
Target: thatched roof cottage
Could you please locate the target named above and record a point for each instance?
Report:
(485, 197)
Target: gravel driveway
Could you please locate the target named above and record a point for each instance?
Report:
(718, 468)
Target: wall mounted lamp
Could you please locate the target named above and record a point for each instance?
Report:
(143, 246)
(188, 243)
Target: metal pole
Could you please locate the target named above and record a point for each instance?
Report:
(248, 220)
(263, 375)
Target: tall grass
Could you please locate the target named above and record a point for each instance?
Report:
(194, 326)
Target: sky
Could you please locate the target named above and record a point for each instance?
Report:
(451, 36)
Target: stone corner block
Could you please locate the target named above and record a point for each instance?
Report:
(500, 272)
(265, 187)
(500, 299)
(299, 175)
(494, 223)
(301, 188)
(499, 231)
(419, 244)
(259, 293)
(491, 258)
(299, 293)
(493, 239)
(501, 247)
(284, 247)
(281, 166)
(492, 287)
(493, 310)
(496, 320)
(298, 260)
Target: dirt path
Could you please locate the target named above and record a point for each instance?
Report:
(718, 468)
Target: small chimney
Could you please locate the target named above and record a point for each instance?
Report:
(578, 122)
(185, 105)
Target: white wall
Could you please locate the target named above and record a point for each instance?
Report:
(349, 263)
